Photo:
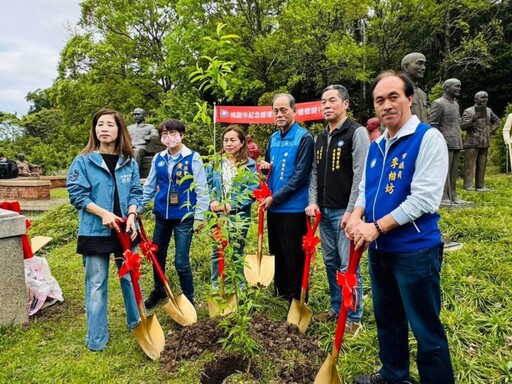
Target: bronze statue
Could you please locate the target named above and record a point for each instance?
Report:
(414, 65)
(445, 116)
(480, 123)
(140, 134)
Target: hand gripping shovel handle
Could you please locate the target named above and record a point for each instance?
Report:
(353, 263)
(308, 244)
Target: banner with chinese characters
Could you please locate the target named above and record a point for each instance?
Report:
(263, 115)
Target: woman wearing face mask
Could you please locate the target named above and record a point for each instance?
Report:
(179, 200)
(104, 186)
(231, 182)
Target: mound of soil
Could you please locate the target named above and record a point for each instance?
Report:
(297, 357)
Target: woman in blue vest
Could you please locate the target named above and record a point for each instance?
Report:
(231, 182)
(179, 201)
(104, 186)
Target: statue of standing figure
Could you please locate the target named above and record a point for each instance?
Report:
(414, 66)
(140, 134)
(445, 116)
(480, 123)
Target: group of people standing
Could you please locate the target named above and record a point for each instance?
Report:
(383, 195)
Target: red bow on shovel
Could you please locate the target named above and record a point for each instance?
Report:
(148, 332)
(179, 308)
(259, 269)
(299, 313)
(328, 373)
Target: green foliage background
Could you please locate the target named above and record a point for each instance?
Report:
(124, 55)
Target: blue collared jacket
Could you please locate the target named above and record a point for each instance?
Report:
(89, 181)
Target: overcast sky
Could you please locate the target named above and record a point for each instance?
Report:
(32, 34)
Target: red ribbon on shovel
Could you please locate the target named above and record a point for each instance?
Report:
(131, 263)
(310, 240)
(263, 191)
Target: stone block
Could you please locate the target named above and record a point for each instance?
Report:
(13, 291)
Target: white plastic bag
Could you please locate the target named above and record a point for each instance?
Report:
(42, 288)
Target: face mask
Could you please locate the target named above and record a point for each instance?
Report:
(171, 141)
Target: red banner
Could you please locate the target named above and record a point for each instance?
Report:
(263, 115)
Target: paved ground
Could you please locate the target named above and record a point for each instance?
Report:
(40, 205)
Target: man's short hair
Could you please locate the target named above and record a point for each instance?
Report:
(342, 91)
(287, 95)
(408, 84)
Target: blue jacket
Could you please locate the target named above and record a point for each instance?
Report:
(391, 177)
(89, 181)
(291, 157)
(240, 197)
(183, 173)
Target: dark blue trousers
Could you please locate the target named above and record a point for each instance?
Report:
(406, 291)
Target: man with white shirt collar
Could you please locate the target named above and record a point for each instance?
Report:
(396, 216)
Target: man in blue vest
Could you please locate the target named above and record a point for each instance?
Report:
(289, 155)
(340, 151)
(399, 195)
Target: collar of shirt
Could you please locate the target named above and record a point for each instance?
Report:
(337, 128)
(407, 129)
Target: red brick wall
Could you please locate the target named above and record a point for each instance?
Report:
(25, 192)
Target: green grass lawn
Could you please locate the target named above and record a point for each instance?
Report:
(477, 307)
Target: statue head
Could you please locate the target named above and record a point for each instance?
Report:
(139, 115)
(481, 98)
(372, 124)
(414, 65)
(452, 88)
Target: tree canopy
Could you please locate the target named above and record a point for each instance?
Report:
(141, 54)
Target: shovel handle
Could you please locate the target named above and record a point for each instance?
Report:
(353, 263)
(124, 239)
(151, 256)
(307, 260)
(261, 220)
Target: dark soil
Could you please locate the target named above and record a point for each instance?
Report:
(296, 357)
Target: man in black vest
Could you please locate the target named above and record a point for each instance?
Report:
(340, 152)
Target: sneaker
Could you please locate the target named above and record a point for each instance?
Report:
(326, 316)
(154, 298)
(352, 328)
(374, 378)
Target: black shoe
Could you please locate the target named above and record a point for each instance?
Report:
(154, 298)
(374, 378)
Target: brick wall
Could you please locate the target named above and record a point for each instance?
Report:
(29, 190)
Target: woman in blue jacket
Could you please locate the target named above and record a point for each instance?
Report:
(231, 183)
(104, 186)
(177, 182)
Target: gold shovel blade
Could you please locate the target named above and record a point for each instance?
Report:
(259, 272)
(328, 373)
(222, 306)
(300, 315)
(181, 310)
(150, 336)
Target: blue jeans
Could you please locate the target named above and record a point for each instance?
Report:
(335, 251)
(183, 231)
(406, 289)
(96, 292)
(236, 240)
